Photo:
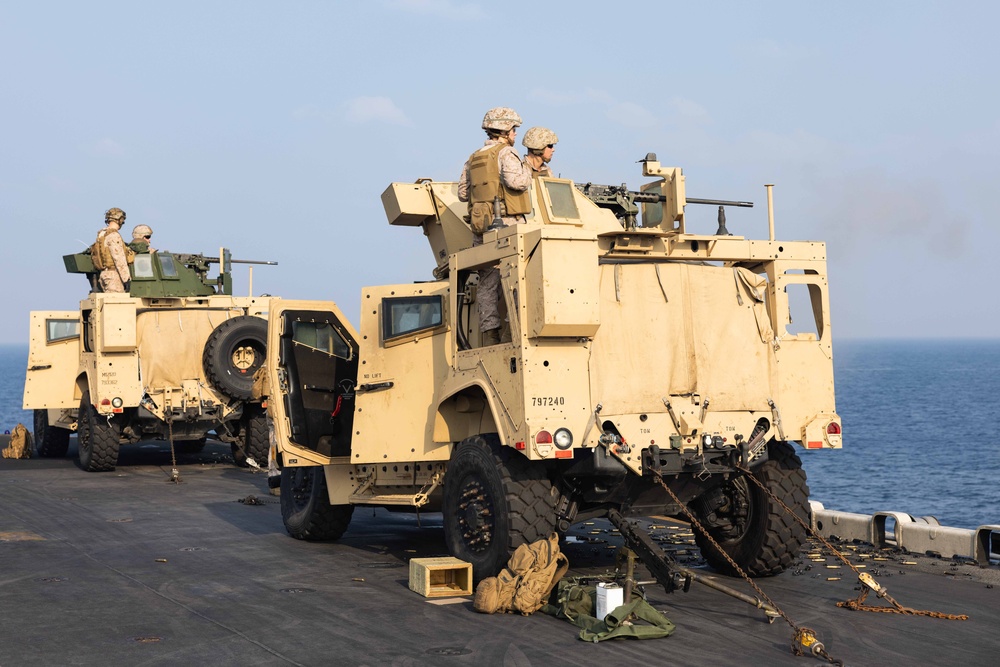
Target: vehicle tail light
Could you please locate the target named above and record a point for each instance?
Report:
(833, 428)
(543, 438)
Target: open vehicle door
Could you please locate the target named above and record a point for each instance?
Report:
(53, 360)
(312, 371)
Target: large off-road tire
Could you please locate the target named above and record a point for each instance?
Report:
(769, 538)
(494, 501)
(233, 353)
(305, 506)
(50, 441)
(98, 438)
(254, 441)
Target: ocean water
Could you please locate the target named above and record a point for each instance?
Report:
(920, 431)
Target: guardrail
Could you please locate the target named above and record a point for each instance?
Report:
(903, 531)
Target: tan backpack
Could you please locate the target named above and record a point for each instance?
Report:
(20, 444)
(525, 584)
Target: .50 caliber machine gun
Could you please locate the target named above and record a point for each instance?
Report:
(624, 202)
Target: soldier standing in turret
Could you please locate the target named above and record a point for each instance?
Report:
(110, 255)
(141, 235)
(541, 143)
(494, 173)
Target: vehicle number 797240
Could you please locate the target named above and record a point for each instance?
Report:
(546, 401)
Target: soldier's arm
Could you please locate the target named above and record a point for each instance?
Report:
(515, 174)
(117, 247)
(463, 184)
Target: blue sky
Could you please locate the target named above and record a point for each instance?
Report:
(272, 128)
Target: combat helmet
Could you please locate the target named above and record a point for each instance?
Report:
(501, 119)
(142, 231)
(114, 214)
(537, 138)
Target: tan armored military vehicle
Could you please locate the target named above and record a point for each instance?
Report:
(639, 352)
(174, 358)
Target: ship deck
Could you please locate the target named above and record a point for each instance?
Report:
(128, 568)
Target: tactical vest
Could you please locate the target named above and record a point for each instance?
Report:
(100, 254)
(486, 184)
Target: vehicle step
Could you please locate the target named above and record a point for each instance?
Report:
(409, 499)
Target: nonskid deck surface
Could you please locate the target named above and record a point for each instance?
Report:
(127, 568)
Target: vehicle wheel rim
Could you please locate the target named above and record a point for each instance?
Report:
(244, 357)
(475, 515)
(301, 488)
(741, 500)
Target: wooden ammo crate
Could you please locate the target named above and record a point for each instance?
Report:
(440, 577)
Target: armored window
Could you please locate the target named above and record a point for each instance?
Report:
(142, 267)
(560, 198)
(403, 316)
(167, 267)
(56, 330)
(321, 336)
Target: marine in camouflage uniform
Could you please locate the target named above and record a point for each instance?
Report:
(494, 171)
(141, 235)
(110, 255)
(541, 143)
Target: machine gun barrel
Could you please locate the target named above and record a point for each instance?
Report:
(215, 260)
(719, 202)
(610, 194)
(653, 198)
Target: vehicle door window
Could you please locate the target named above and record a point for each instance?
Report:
(403, 316)
(57, 330)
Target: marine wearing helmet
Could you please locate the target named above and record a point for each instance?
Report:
(500, 120)
(114, 214)
(494, 173)
(110, 255)
(541, 143)
(141, 234)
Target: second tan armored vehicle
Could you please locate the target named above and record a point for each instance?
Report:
(637, 353)
(173, 359)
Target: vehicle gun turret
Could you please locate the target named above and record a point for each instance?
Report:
(165, 274)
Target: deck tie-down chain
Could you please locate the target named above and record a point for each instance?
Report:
(868, 582)
(804, 641)
(175, 474)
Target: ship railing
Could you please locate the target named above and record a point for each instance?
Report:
(913, 534)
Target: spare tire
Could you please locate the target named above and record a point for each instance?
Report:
(233, 353)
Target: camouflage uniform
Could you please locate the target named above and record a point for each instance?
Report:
(516, 177)
(110, 255)
(114, 279)
(536, 140)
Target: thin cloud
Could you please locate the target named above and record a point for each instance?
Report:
(631, 115)
(106, 148)
(689, 110)
(375, 109)
(628, 114)
(455, 11)
(554, 97)
(63, 185)
(311, 111)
